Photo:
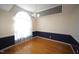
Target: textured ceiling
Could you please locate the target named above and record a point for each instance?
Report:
(37, 7)
(29, 7)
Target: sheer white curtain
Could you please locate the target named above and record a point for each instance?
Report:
(22, 25)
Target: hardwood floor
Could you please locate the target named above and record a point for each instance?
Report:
(39, 45)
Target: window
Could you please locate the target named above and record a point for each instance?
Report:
(22, 25)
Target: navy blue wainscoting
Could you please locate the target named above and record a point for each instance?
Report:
(64, 38)
(43, 34)
(60, 37)
(34, 33)
(6, 42)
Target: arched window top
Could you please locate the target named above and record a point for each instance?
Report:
(21, 15)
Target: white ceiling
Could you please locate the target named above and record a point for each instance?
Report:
(29, 7)
(37, 7)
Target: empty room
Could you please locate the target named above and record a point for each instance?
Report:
(39, 29)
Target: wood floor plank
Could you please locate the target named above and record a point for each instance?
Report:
(39, 45)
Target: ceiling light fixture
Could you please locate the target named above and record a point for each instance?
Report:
(35, 15)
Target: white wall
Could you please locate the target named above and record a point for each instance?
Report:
(6, 24)
(6, 21)
(65, 23)
(56, 23)
(34, 24)
(75, 24)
